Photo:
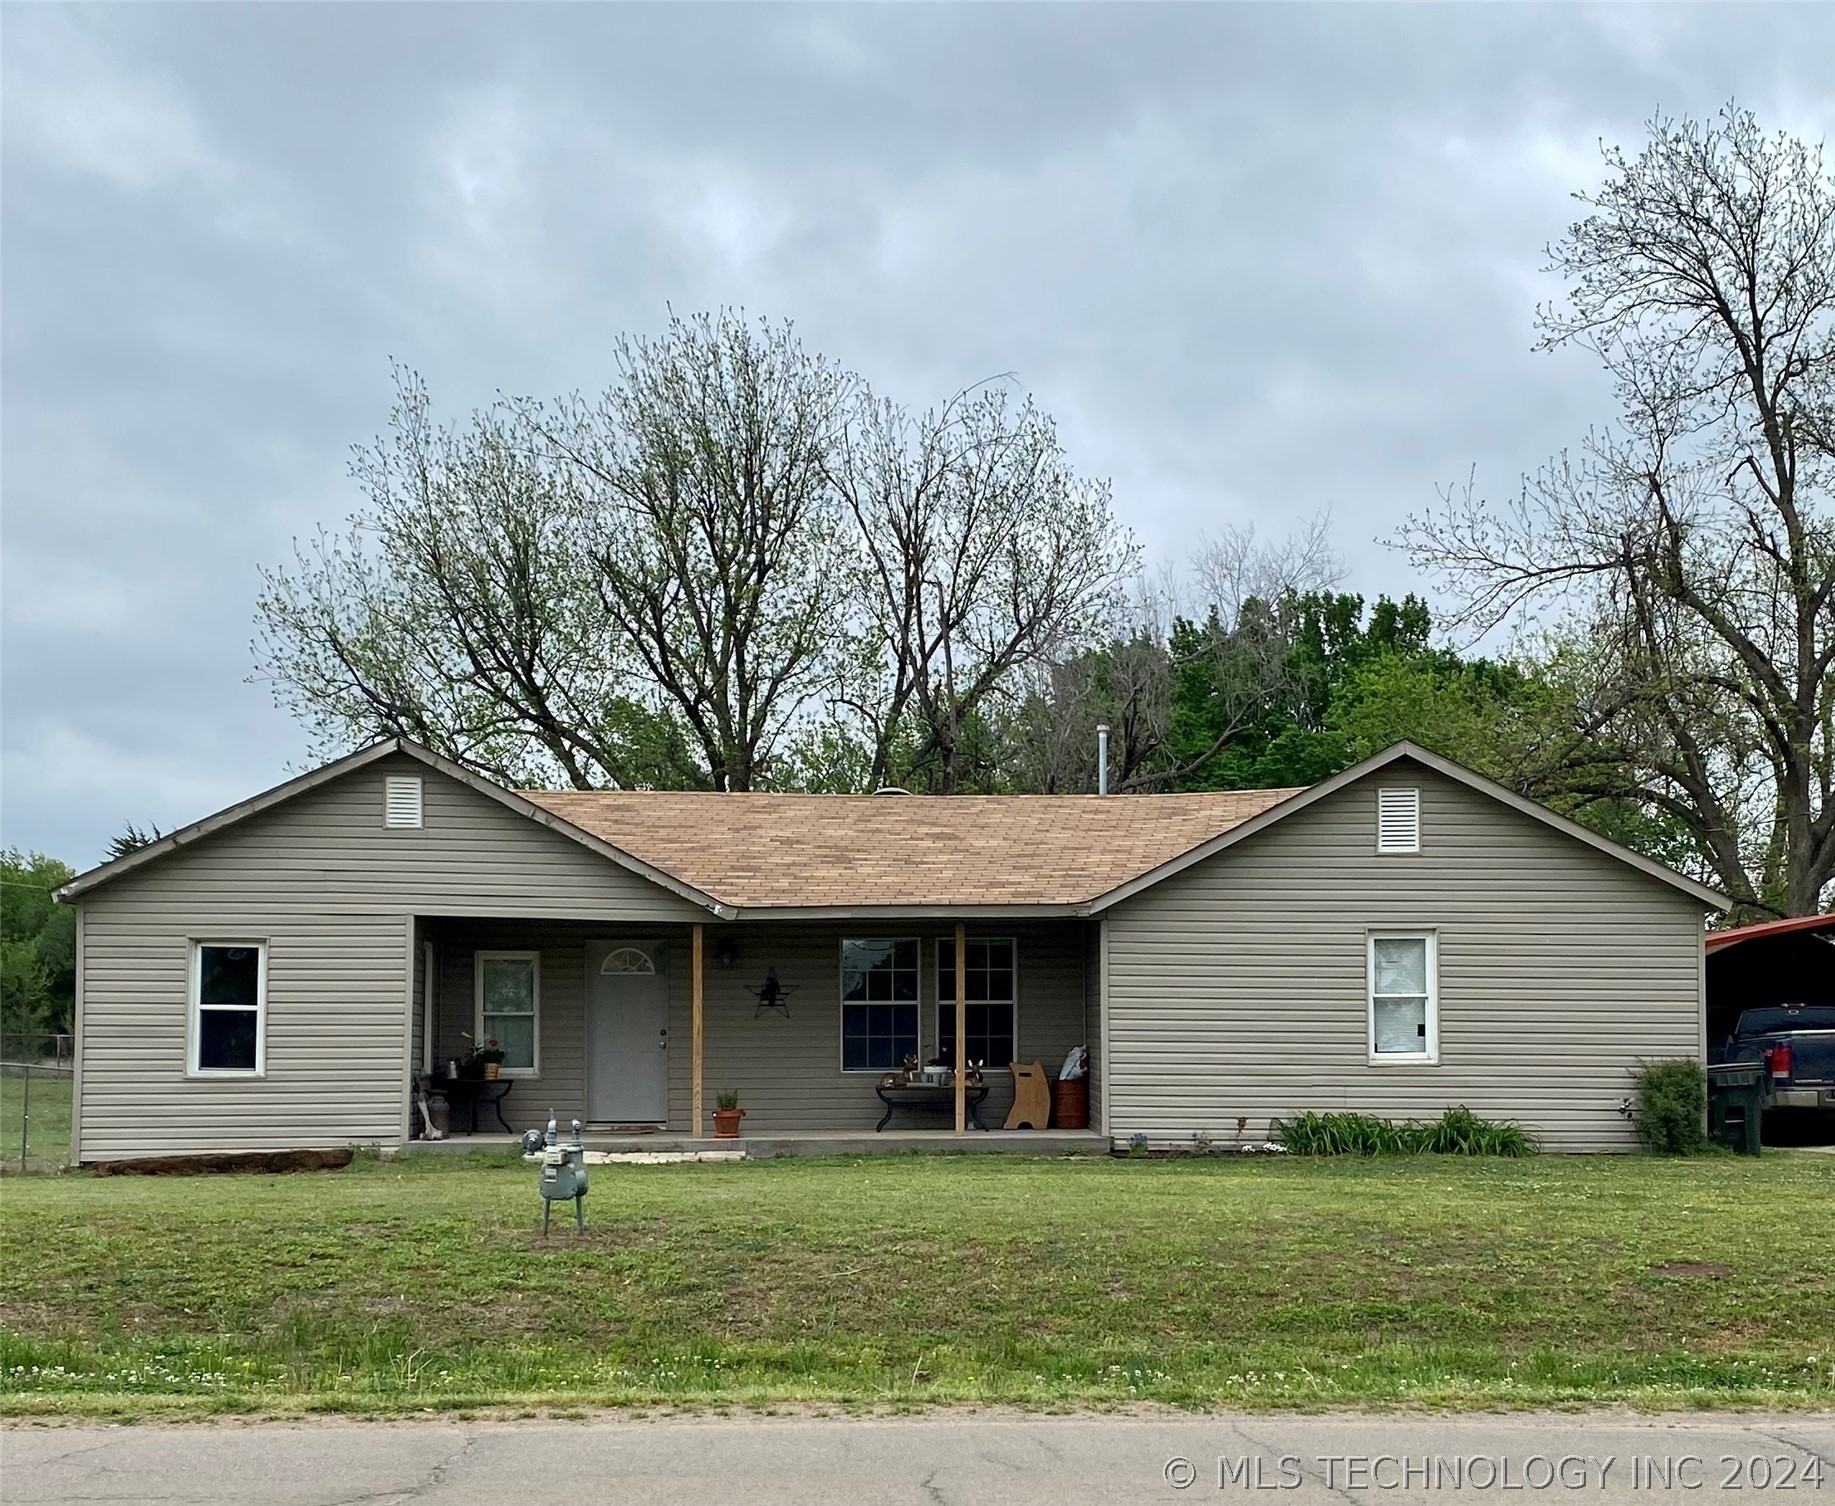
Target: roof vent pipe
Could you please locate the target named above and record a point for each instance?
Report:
(1102, 758)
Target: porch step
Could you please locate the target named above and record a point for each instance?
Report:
(658, 1157)
(859, 1143)
(663, 1149)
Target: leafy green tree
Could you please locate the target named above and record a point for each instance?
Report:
(1326, 712)
(723, 572)
(37, 945)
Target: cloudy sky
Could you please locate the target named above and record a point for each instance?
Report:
(1258, 261)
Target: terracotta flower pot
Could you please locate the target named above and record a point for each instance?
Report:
(726, 1123)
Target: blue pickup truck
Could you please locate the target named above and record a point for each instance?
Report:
(1796, 1042)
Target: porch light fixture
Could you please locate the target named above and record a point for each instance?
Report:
(727, 957)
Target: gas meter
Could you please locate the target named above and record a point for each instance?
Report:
(563, 1173)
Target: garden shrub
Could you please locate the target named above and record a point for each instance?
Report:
(1457, 1132)
(1672, 1106)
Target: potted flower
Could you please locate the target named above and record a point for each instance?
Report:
(483, 1060)
(727, 1115)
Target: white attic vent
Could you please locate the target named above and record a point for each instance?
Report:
(401, 800)
(1398, 820)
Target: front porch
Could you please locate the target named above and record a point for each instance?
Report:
(636, 1028)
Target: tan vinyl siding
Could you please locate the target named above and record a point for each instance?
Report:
(1238, 988)
(332, 891)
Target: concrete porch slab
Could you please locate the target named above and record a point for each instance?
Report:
(890, 1142)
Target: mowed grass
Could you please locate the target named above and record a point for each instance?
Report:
(913, 1281)
(45, 1139)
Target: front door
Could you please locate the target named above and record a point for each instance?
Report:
(627, 1033)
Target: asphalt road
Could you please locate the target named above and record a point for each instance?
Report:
(933, 1460)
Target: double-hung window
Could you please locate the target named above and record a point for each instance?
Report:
(879, 1004)
(229, 1005)
(1404, 1002)
(509, 1007)
(992, 1001)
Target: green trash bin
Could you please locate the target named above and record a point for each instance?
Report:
(1737, 1095)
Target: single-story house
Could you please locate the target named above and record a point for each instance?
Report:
(1397, 939)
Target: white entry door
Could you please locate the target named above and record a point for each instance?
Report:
(627, 1033)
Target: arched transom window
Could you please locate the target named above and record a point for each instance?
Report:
(628, 959)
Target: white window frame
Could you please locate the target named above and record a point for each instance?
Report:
(194, 1006)
(843, 1002)
(1430, 1057)
(1414, 793)
(404, 782)
(950, 1003)
(479, 1034)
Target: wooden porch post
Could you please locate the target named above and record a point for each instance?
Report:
(695, 987)
(961, 1053)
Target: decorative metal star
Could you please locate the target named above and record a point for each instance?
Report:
(772, 996)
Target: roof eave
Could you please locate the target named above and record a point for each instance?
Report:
(1065, 910)
(1813, 926)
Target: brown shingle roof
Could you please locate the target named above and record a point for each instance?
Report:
(756, 850)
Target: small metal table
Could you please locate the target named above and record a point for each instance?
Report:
(469, 1092)
(930, 1095)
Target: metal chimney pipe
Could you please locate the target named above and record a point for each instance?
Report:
(1102, 758)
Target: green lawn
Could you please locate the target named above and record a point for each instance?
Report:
(1550, 1281)
(46, 1140)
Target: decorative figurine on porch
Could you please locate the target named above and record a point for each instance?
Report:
(971, 1074)
(772, 995)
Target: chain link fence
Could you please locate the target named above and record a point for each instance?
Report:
(36, 1073)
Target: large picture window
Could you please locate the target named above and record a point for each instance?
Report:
(1404, 1009)
(992, 1001)
(509, 1007)
(879, 1004)
(229, 992)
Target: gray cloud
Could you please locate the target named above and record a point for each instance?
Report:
(1258, 260)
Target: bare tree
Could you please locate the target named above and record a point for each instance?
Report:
(724, 561)
(1694, 544)
(981, 553)
(1124, 682)
(459, 610)
(716, 538)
